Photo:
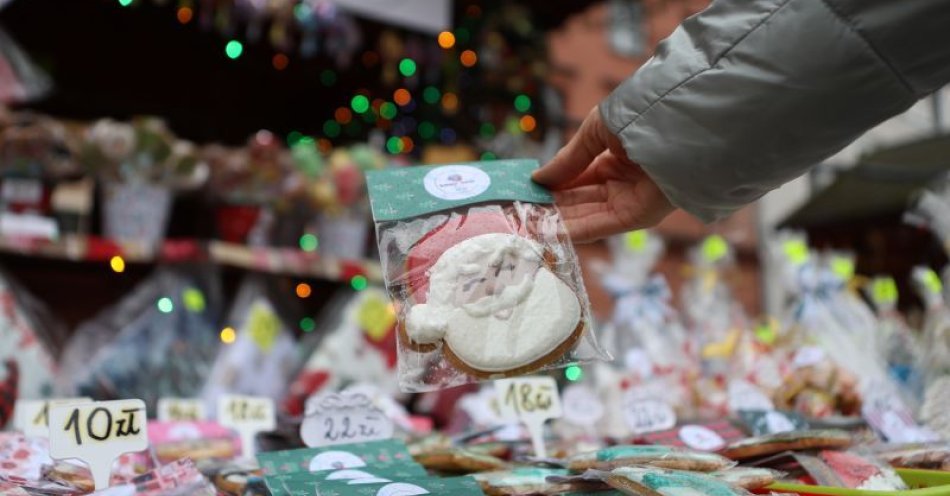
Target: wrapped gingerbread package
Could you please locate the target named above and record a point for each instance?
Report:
(483, 276)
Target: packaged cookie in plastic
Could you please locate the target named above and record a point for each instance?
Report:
(485, 281)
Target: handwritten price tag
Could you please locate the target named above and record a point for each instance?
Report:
(581, 405)
(532, 400)
(247, 415)
(181, 410)
(343, 419)
(701, 438)
(648, 415)
(31, 417)
(97, 433)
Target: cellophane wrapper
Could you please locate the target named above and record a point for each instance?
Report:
(406, 281)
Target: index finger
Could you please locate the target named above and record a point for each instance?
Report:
(589, 141)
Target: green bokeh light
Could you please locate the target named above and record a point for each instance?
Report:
(522, 103)
(431, 95)
(407, 67)
(293, 137)
(331, 129)
(573, 373)
(308, 242)
(388, 110)
(359, 283)
(426, 130)
(487, 130)
(193, 299)
(125, 3)
(307, 324)
(360, 104)
(489, 156)
(394, 145)
(328, 77)
(234, 49)
(165, 305)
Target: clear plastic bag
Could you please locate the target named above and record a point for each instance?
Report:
(158, 341)
(485, 282)
(260, 351)
(899, 345)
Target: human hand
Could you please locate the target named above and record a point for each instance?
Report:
(598, 189)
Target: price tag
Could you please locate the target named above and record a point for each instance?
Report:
(181, 410)
(644, 415)
(343, 418)
(581, 405)
(22, 191)
(701, 438)
(806, 356)
(31, 417)
(531, 400)
(247, 415)
(746, 396)
(97, 433)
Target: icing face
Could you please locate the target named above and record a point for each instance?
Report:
(495, 304)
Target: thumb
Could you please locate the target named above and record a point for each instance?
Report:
(590, 140)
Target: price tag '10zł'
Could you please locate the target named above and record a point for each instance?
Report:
(97, 433)
(247, 415)
(531, 400)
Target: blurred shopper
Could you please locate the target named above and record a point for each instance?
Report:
(742, 98)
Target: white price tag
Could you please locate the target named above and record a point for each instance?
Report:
(807, 356)
(746, 396)
(343, 419)
(23, 191)
(581, 405)
(778, 422)
(643, 415)
(532, 400)
(97, 433)
(181, 410)
(247, 415)
(701, 438)
(31, 417)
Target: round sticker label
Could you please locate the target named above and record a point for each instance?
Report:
(456, 182)
(701, 438)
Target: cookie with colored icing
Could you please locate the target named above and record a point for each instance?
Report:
(787, 441)
(748, 477)
(531, 480)
(660, 482)
(497, 307)
(653, 455)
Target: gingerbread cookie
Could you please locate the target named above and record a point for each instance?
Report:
(458, 461)
(748, 477)
(787, 441)
(497, 307)
(649, 481)
(653, 455)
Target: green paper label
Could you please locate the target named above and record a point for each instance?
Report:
(714, 248)
(408, 192)
(843, 267)
(884, 290)
(796, 250)
(932, 281)
(636, 241)
(337, 457)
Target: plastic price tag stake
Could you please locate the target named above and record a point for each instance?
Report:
(643, 415)
(247, 415)
(581, 405)
(97, 433)
(31, 417)
(343, 418)
(181, 410)
(531, 400)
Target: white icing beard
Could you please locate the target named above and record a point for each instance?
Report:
(492, 300)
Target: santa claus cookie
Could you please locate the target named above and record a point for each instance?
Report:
(494, 303)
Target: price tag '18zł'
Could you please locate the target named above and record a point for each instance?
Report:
(531, 400)
(247, 415)
(97, 433)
